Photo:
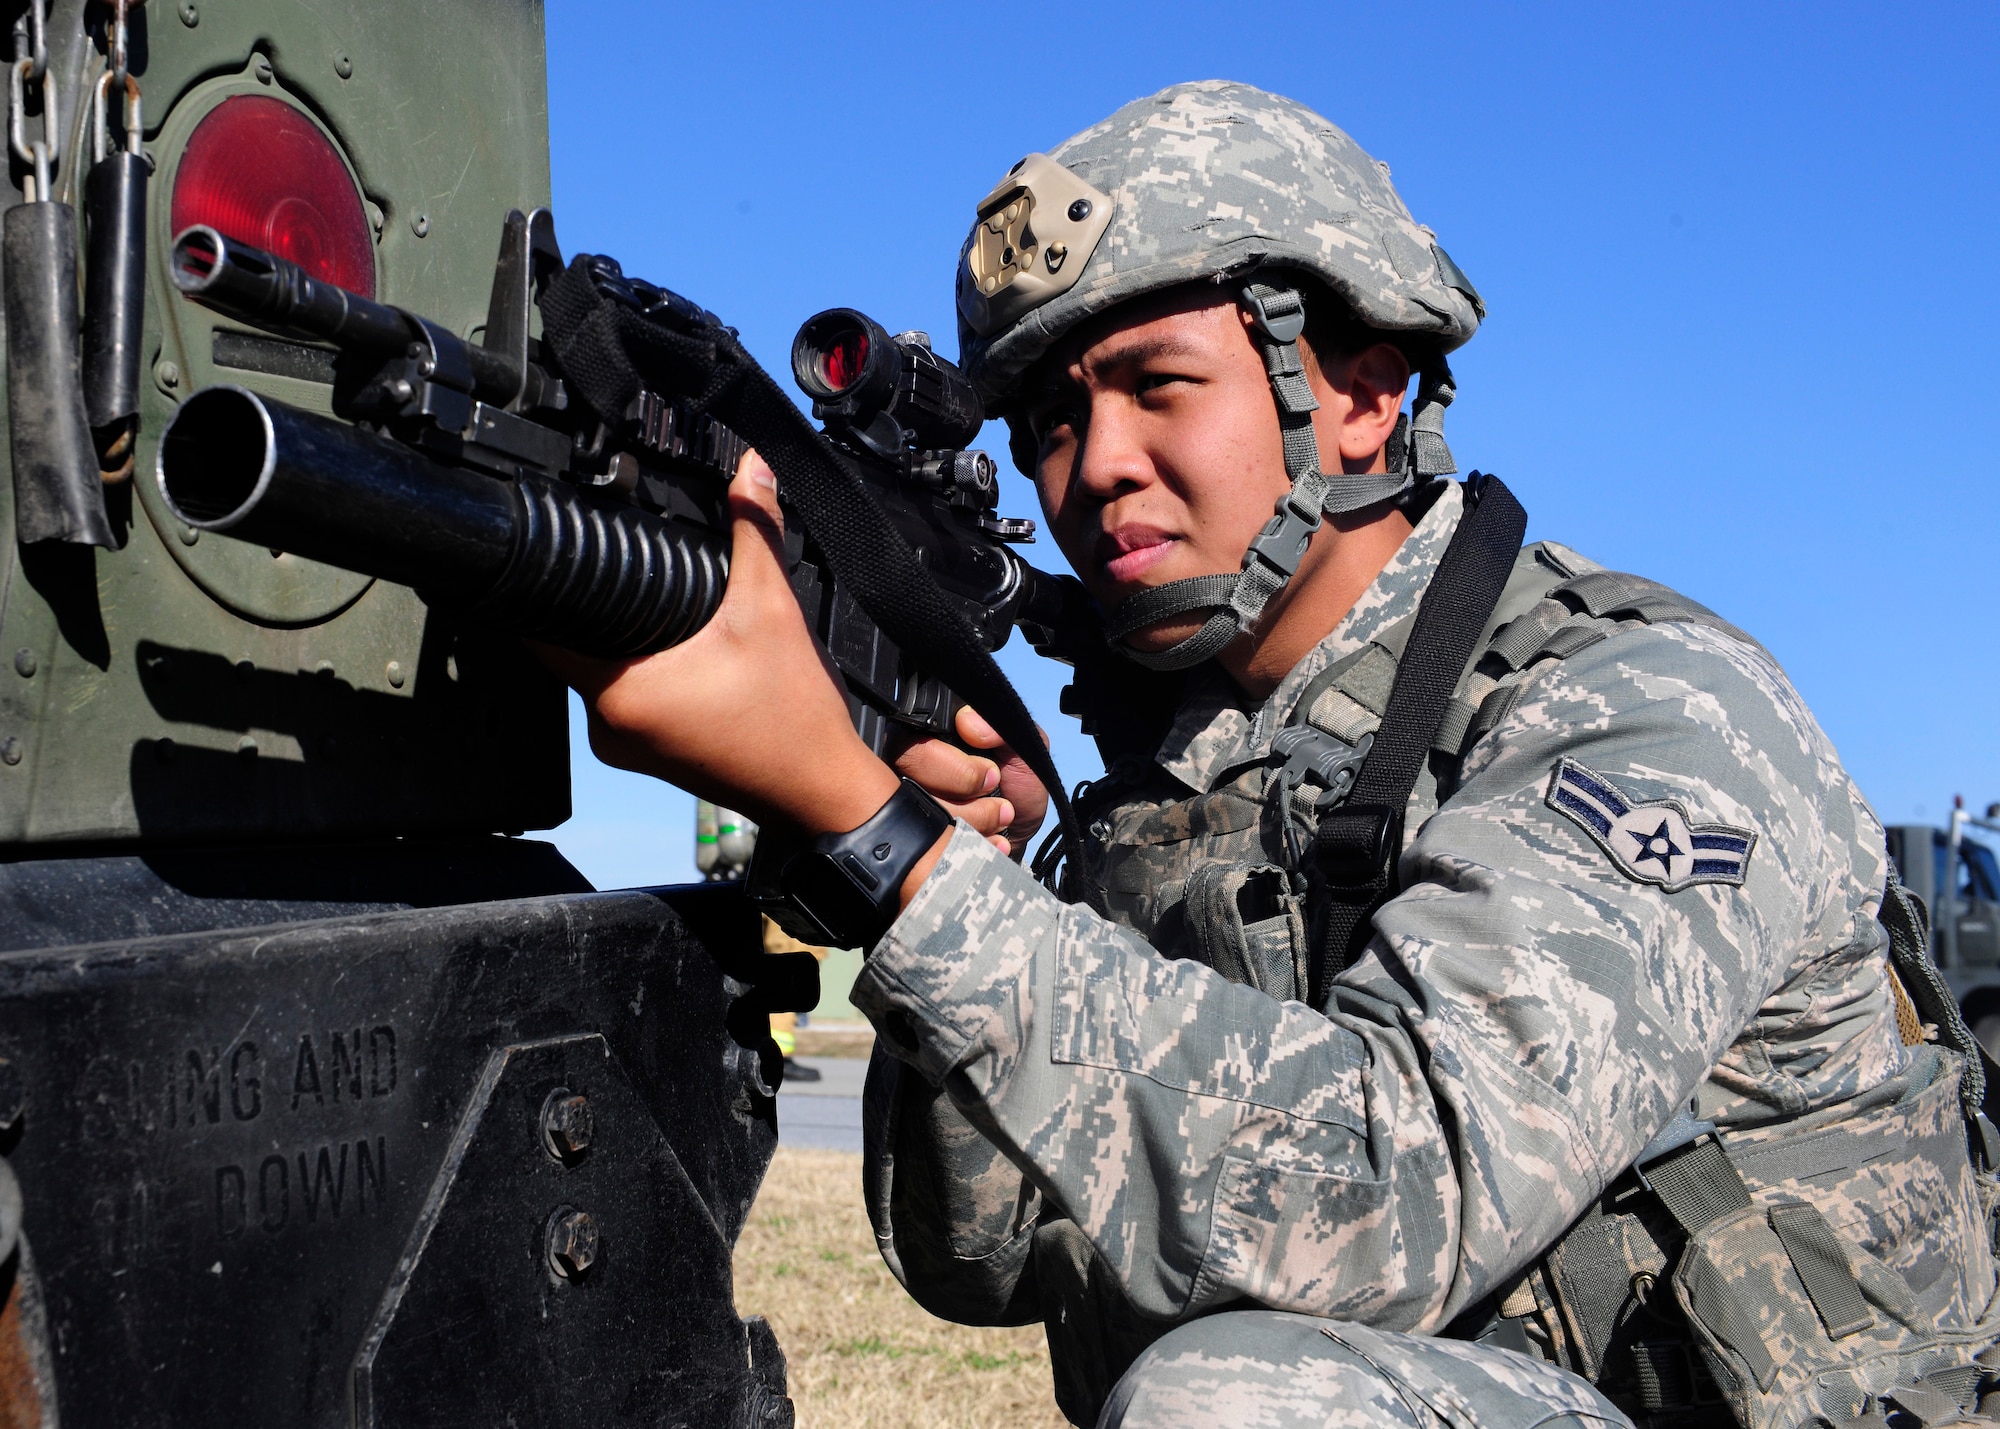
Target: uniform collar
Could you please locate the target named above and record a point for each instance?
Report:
(1218, 730)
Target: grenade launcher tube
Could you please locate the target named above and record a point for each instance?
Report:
(534, 557)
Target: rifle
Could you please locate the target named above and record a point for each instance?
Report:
(500, 481)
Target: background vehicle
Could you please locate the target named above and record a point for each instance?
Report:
(330, 1100)
(1958, 877)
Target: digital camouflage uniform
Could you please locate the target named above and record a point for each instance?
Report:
(1533, 1010)
(1637, 923)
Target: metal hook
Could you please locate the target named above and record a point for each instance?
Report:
(100, 118)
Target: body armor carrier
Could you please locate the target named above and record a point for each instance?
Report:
(1705, 1281)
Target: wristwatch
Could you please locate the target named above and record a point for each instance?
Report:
(844, 890)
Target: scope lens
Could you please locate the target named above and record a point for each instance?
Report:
(841, 361)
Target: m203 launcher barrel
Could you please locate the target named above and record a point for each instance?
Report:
(535, 554)
(606, 536)
(532, 556)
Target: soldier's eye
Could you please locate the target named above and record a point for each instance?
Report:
(1052, 420)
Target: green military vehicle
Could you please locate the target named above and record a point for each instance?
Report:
(1958, 877)
(324, 1097)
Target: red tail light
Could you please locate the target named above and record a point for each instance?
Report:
(262, 173)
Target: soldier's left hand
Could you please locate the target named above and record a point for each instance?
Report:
(748, 711)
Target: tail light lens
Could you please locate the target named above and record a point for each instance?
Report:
(260, 172)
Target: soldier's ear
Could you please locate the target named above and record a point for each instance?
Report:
(1374, 382)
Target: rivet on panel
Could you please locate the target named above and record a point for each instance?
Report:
(343, 66)
(25, 664)
(10, 750)
(420, 224)
(189, 535)
(261, 67)
(189, 15)
(395, 673)
(247, 746)
(167, 374)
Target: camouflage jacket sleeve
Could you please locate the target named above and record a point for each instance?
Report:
(953, 1217)
(1529, 1014)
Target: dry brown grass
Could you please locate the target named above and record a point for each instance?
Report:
(860, 1353)
(836, 1040)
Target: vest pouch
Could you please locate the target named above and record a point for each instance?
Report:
(1828, 1270)
(1147, 852)
(1798, 1326)
(1247, 924)
(1606, 1306)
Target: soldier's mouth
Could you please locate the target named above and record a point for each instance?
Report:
(1130, 551)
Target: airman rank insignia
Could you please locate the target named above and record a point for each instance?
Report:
(1650, 840)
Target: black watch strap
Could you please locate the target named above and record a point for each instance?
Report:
(844, 890)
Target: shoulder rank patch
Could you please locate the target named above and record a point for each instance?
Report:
(1650, 840)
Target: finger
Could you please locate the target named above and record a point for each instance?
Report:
(987, 816)
(975, 731)
(757, 528)
(946, 772)
(755, 480)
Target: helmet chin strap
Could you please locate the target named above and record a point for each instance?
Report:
(1279, 316)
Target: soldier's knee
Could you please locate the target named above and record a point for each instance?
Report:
(1264, 1369)
(1253, 1369)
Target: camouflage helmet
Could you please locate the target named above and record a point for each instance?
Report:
(1208, 180)
(1223, 182)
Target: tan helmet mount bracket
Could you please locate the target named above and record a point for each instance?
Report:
(1033, 235)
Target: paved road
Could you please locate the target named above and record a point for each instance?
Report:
(826, 1114)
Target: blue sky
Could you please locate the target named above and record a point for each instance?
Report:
(1739, 263)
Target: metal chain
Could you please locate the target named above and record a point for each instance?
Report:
(38, 30)
(42, 155)
(116, 74)
(114, 46)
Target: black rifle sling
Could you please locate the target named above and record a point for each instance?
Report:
(607, 352)
(1358, 843)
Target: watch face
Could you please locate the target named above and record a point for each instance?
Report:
(818, 887)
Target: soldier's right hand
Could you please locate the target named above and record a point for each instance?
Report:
(979, 780)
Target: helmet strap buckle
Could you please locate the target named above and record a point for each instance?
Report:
(1280, 313)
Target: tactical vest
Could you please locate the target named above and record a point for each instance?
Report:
(1717, 1276)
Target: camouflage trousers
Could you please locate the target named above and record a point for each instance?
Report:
(1266, 1369)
